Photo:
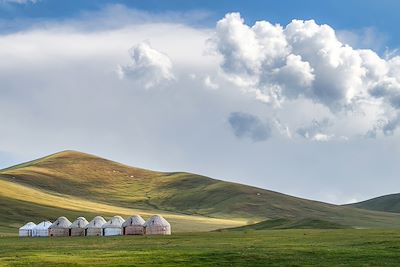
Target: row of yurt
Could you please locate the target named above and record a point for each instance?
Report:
(134, 225)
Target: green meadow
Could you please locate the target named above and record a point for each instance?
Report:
(341, 247)
(214, 223)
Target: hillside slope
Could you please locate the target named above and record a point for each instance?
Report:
(288, 224)
(89, 181)
(20, 203)
(388, 203)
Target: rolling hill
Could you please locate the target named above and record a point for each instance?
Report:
(73, 183)
(388, 203)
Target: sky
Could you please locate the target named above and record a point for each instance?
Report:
(297, 97)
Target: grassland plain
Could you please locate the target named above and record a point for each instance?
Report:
(344, 247)
(73, 184)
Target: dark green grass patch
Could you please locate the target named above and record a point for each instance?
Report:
(306, 223)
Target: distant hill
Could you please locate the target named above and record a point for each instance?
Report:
(388, 203)
(306, 223)
(76, 183)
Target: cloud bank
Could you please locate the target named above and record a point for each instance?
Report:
(305, 60)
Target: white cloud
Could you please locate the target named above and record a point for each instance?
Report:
(280, 65)
(320, 137)
(293, 75)
(148, 66)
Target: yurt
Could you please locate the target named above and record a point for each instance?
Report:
(78, 227)
(157, 225)
(27, 229)
(133, 226)
(94, 227)
(113, 226)
(61, 227)
(42, 229)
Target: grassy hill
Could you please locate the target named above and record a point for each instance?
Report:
(73, 183)
(388, 203)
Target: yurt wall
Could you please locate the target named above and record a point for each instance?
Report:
(94, 228)
(61, 227)
(42, 229)
(113, 227)
(133, 226)
(27, 230)
(78, 227)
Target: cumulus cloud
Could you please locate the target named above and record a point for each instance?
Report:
(245, 125)
(148, 66)
(305, 60)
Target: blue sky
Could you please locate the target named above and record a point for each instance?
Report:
(352, 14)
(375, 18)
(302, 108)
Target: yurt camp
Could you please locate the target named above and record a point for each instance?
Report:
(113, 226)
(42, 229)
(94, 227)
(157, 225)
(61, 227)
(78, 227)
(133, 226)
(27, 230)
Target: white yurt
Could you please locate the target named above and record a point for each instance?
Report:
(133, 226)
(113, 226)
(27, 230)
(42, 229)
(94, 227)
(61, 227)
(78, 227)
(157, 225)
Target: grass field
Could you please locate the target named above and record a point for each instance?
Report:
(344, 247)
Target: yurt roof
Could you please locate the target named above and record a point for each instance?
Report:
(43, 225)
(134, 220)
(157, 220)
(61, 222)
(28, 226)
(80, 222)
(114, 222)
(97, 222)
